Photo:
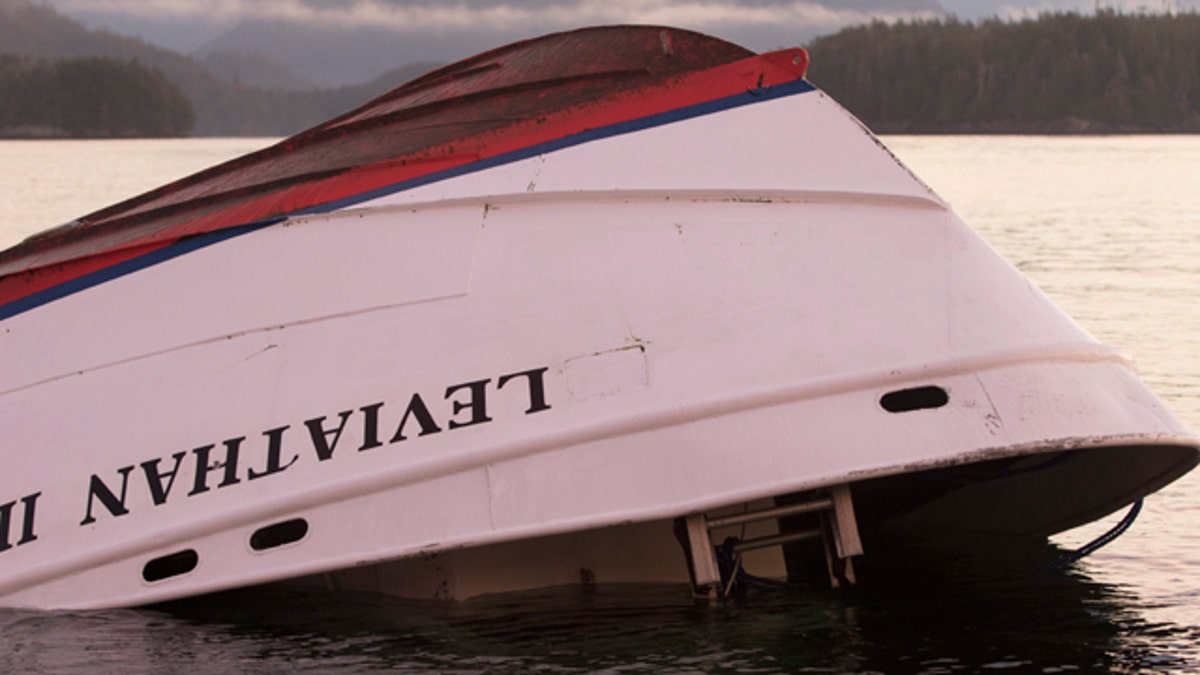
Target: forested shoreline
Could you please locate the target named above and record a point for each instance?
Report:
(88, 97)
(37, 37)
(1059, 73)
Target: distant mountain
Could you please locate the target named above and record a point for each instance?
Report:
(336, 55)
(356, 48)
(255, 70)
(222, 107)
(1101, 72)
(37, 30)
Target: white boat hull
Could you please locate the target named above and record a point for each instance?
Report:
(561, 353)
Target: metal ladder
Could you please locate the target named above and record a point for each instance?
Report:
(838, 529)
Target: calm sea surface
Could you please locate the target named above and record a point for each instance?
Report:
(1108, 227)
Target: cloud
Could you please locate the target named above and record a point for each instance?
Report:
(407, 16)
(1030, 9)
(209, 10)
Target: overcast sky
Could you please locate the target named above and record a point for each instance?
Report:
(185, 25)
(419, 15)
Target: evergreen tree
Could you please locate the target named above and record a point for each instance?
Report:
(1060, 72)
(91, 97)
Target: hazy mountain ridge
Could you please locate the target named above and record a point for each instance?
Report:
(254, 70)
(1061, 73)
(338, 42)
(328, 57)
(221, 108)
(351, 50)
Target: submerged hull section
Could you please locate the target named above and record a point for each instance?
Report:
(544, 352)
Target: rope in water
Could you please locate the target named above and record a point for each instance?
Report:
(1091, 547)
(729, 564)
(732, 572)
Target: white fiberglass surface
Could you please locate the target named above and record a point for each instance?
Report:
(803, 143)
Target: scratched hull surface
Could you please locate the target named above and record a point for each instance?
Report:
(587, 326)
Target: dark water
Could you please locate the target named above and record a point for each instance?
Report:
(974, 612)
(1108, 227)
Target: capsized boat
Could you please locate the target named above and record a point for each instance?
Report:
(576, 310)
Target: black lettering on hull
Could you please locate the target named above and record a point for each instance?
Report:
(467, 407)
(28, 516)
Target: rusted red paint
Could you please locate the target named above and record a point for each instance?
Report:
(511, 98)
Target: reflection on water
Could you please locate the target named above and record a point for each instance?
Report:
(48, 183)
(915, 612)
(1109, 228)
